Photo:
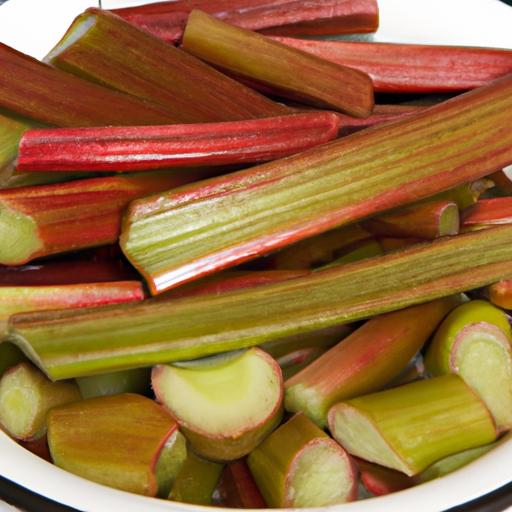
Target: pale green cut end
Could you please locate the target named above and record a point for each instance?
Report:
(449, 221)
(170, 462)
(19, 238)
(11, 131)
(221, 399)
(483, 358)
(301, 398)
(322, 476)
(359, 436)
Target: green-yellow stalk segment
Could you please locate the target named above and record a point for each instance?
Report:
(10, 355)
(410, 427)
(107, 384)
(170, 463)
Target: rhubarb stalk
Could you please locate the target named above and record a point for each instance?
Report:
(116, 383)
(252, 212)
(487, 212)
(298, 465)
(287, 17)
(365, 361)
(189, 328)
(285, 70)
(500, 293)
(411, 68)
(10, 355)
(51, 219)
(410, 427)
(114, 149)
(11, 131)
(95, 47)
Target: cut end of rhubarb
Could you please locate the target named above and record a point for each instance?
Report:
(322, 474)
(357, 433)
(482, 356)
(20, 240)
(225, 407)
(171, 459)
(449, 220)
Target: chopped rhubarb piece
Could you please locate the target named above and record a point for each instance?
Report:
(500, 293)
(380, 480)
(115, 383)
(411, 68)
(159, 147)
(285, 70)
(487, 212)
(95, 47)
(287, 17)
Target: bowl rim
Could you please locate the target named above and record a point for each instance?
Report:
(486, 474)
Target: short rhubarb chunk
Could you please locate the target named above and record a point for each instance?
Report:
(225, 406)
(488, 212)
(287, 17)
(103, 47)
(298, 465)
(278, 67)
(500, 293)
(11, 131)
(410, 427)
(117, 441)
(114, 149)
(410, 68)
(380, 480)
(26, 397)
(366, 360)
(475, 342)
(176, 237)
(116, 383)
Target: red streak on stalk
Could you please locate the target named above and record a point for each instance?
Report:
(488, 211)
(409, 68)
(314, 17)
(155, 147)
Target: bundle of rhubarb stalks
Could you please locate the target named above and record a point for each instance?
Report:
(236, 270)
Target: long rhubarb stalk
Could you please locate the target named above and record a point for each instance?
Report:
(190, 328)
(39, 92)
(425, 220)
(285, 70)
(50, 219)
(167, 19)
(251, 212)
(159, 147)
(17, 299)
(410, 427)
(365, 361)
(95, 47)
(410, 68)
(488, 212)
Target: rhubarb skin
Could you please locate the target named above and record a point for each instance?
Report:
(365, 361)
(237, 488)
(115, 441)
(428, 220)
(17, 299)
(286, 17)
(95, 47)
(37, 91)
(283, 69)
(500, 293)
(410, 427)
(487, 212)
(114, 149)
(275, 463)
(410, 68)
(189, 328)
(360, 175)
(381, 481)
(51, 219)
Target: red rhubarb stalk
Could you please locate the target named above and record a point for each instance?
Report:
(159, 147)
(487, 212)
(409, 68)
(286, 17)
(224, 221)
(285, 70)
(500, 293)
(50, 219)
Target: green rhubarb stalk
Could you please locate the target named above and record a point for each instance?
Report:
(196, 481)
(252, 212)
(464, 195)
(365, 361)
(410, 427)
(116, 441)
(17, 299)
(298, 465)
(95, 48)
(10, 355)
(360, 251)
(475, 342)
(278, 67)
(39, 92)
(26, 397)
(107, 384)
(42, 220)
(11, 131)
(426, 220)
(250, 385)
(189, 328)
